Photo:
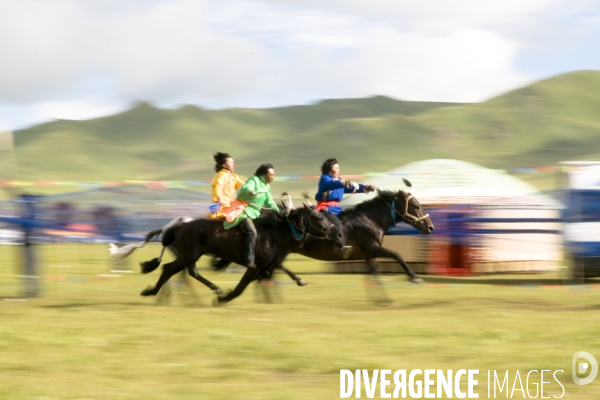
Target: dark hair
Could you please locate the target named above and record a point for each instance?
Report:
(263, 169)
(220, 159)
(327, 165)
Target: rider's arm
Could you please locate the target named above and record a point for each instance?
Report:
(327, 182)
(219, 184)
(246, 191)
(238, 181)
(352, 189)
(270, 203)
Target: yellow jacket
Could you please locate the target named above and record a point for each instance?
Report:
(224, 188)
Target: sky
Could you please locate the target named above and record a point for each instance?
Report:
(71, 59)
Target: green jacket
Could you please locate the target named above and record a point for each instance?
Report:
(255, 203)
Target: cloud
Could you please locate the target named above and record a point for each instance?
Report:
(467, 65)
(102, 55)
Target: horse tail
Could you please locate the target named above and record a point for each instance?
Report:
(219, 264)
(167, 240)
(169, 236)
(149, 266)
(120, 253)
(153, 233)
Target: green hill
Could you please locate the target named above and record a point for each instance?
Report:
(150, 143)
(549, 121)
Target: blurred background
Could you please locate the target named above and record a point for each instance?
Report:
(110, 114)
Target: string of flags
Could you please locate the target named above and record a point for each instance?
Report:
(207, 181)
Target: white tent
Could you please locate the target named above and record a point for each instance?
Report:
(445, 181)
(508, 245)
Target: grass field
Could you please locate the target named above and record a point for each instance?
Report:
(91, 336)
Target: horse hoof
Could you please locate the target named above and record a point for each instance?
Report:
(218, 291)
(301, 282)
(416, 280)
(218, 302)
(147, 292)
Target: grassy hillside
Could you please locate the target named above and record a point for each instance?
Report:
(541, 124)
(150, 143)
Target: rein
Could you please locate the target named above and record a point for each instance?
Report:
(299, 236)
(300, 233)
(406, 217)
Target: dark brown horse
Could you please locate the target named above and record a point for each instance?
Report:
(278, 235)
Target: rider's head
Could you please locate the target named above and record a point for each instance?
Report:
(267, 172)
(331, 167)
(223, 161)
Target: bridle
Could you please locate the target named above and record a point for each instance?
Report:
(406, 216)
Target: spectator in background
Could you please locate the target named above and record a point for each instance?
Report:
(30, 271)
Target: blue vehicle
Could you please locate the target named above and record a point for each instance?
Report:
(582, 217)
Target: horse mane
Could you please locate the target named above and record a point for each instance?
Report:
(272, 219)
(383, 195)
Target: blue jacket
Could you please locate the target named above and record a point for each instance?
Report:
(331, 189)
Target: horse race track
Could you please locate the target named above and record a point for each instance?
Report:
(91, 336)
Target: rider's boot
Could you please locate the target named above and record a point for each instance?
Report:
(249, 245)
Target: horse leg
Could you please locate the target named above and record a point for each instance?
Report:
(218, 263)
(265, 287)
(374, 270)
(169, 270)
(164, 297)
(385, 253)
(247, 278)
(268, 288)
(299, 281)
(193, 271)
(188, 289)
(377, 292)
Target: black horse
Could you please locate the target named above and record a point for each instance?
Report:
(278, 235)
(364, 228)
(366, 224)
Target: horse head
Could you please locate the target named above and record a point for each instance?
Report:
(407, 207)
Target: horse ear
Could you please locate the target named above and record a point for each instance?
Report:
(288, 204)
(310, 207)
(407, 182)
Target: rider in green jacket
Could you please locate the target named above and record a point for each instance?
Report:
(253, 196)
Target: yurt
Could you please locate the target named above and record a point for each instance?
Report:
(486, 221)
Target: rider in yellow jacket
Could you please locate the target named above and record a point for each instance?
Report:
(225, 185)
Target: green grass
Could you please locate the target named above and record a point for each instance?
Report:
(94, 337)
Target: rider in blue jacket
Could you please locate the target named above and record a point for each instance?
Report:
(331, 191)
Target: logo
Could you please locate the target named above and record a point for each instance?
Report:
(582, 367)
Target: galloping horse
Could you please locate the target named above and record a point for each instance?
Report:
(364, 228)
(278, 236)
